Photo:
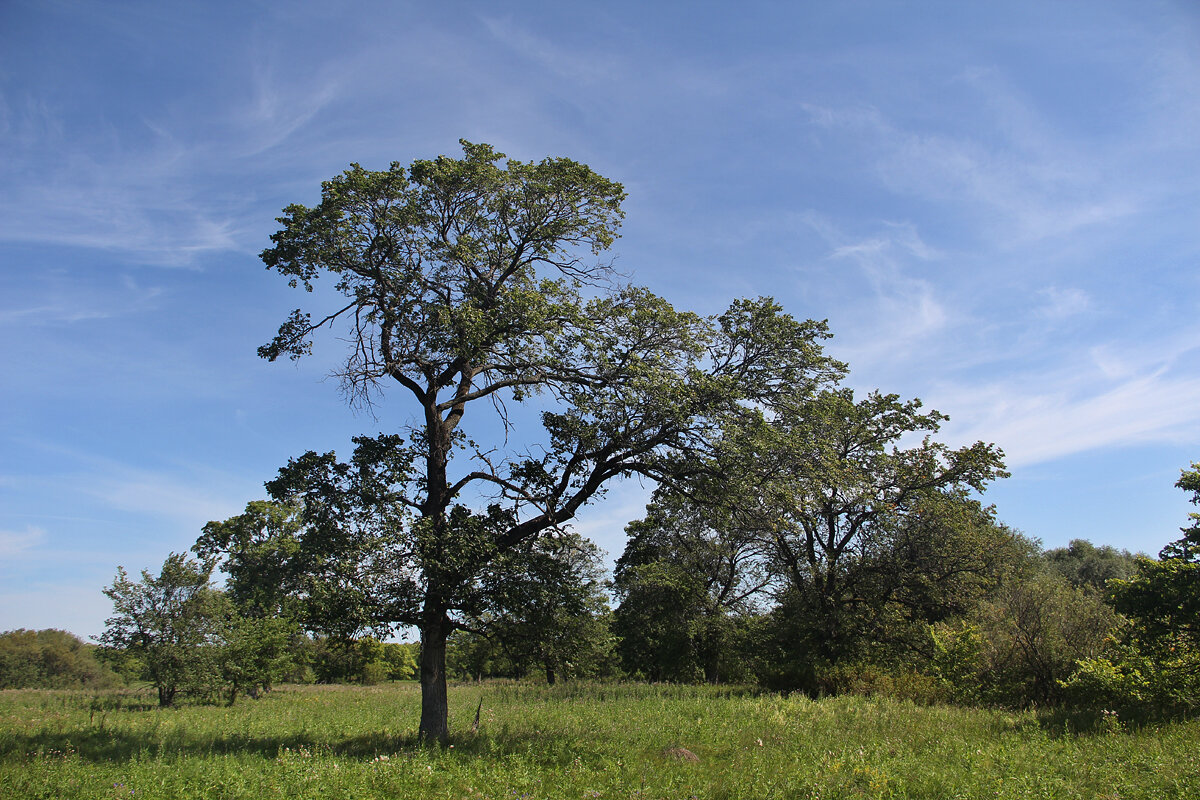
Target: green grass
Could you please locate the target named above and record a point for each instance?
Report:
(576, 741)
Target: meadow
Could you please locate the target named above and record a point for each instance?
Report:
(577, 741)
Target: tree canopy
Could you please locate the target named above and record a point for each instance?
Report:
(473, 283)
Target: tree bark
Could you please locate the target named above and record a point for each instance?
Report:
(435, 711)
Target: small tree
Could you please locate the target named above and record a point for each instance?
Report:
(1022, 646)
(255, 653)
(1090, 567)
(166, 620)
(1036, 633)
(400, 660)
(257, 549)
(543, 607)
(546, 606)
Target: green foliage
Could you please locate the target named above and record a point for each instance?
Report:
(873, 680)
(1159, 663)
(1163, 596)
(1163, 599)
(1090, 567)
(366, 660)
(463, 284)
(51, 659)
(545, 609)
(867, 541)
(170, 622)
(256, 653)
(258, 550)
(188, 639)
(957, 660)
(688, 584)
(659, 621)
(1021, 647)
(1125, 680)
(400, 660)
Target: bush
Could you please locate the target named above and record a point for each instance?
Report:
(1021, 648)
(871, 680)
(1135, 682)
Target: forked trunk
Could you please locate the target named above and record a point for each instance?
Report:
(435, 713)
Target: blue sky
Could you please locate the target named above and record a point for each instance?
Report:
(997, 207)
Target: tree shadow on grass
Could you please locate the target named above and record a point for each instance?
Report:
(1066, 722)
(108, 745)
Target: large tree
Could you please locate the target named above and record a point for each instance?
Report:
(865, 530)
(470, 284)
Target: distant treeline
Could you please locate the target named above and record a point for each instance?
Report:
(1044, 627)
(54, 659)
(944, 605)
(51, 659)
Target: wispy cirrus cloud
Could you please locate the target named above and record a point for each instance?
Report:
(185, 495)
(161, 186)
(14, 544)
(573, 64)
(1109, 396)
(896, 312)
(1024, 179)
(61, 301)
(95, 190)
(1063, 302)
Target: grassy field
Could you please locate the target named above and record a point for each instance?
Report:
(573, 741)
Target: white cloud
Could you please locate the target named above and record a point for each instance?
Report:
(279, 107)
(42, 314)
(1063, 303)
(99, 192)
(1028, 185)
(158, 495)
(573, 64)
(184, 495)
(16, 543)
(896, 311)
(60, 300)
(1080, 411)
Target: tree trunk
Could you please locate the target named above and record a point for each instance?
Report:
(435, 712)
